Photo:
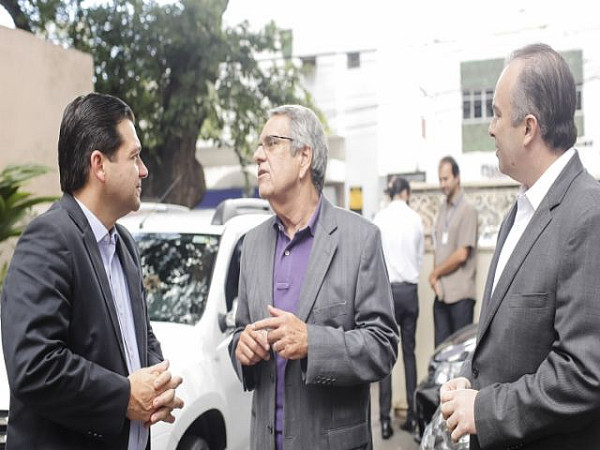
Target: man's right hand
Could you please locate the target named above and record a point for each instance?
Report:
(253, 346)
(147, 385)
(454, 385)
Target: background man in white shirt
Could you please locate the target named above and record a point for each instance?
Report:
(402, 239)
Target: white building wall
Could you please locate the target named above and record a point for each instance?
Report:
(349, 100)
(402, 110)
(444, 118)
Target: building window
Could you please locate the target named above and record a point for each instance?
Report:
(478, 79)
(309, 64)
(353, 60)
(489, 101)
(477, 105)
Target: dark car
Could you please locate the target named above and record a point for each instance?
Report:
(444, 365)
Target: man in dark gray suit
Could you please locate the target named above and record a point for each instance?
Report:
(534, 378)
(315, 324)
(75, 331)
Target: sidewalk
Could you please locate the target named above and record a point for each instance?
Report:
(401, 440)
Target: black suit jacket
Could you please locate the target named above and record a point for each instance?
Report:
(61, 338)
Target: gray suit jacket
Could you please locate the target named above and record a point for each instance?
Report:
(537, 360)
(347, 304)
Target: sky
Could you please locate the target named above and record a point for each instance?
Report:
(5, 18)
(357, 24)
(352, 24)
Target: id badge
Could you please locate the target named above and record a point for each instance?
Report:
(444, 237)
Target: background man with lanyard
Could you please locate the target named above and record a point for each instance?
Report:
(455, 257)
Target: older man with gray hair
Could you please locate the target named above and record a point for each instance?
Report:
(315, 323)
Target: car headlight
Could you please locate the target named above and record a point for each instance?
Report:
(437, 436)
(446, 370)
(449, 360)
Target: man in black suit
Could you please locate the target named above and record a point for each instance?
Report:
(84, 367)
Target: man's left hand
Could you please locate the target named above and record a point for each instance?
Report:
(287, 334)
(167, 401)
(458, 408)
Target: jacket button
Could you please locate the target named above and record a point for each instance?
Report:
(475, 372)
(270, 428)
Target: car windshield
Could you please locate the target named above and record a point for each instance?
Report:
(177, 270)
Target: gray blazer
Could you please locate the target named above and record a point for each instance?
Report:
(352, 336)
(537, 359)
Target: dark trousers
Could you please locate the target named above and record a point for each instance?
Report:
(451, 317)
(406, 310)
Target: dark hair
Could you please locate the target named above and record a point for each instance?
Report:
(89, 123)
(546, 89)
(396, 186)
(450, 160)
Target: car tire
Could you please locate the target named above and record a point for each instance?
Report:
(192, 442)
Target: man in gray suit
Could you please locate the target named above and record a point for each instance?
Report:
(315, 324)
(534, 378)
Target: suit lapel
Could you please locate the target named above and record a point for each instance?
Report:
(134, 283)
(264, 275)
(507, 224)
(323, 249)
(70, 205)
(539, 222)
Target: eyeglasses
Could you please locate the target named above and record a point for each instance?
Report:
(271, 141)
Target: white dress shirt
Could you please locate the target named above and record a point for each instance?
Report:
(402, 241)
(528, 202)
(107, 243)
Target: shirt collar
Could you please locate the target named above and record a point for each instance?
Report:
(398, 201)
(312, 223)
(98, 228)
(536, 193)
(454, 202)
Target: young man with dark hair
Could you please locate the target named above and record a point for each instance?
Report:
(84, 367)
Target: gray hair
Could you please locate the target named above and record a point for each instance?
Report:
(546, 89)
(306, 130)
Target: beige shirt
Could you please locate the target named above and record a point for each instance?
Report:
(456, 227)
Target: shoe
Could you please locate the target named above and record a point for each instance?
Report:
(386, 429)
(409, 425)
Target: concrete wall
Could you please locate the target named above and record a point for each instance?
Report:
(37, 80)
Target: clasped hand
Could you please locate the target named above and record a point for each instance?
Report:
(284, 332)
(152, 398)
(457, 401)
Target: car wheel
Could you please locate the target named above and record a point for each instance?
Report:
(192, 442)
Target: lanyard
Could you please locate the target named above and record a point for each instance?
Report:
(448, 217)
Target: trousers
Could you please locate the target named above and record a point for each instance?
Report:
(406, 311)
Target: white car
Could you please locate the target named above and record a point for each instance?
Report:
(190, 263)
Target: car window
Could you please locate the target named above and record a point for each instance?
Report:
(177, 270)
(233, 275)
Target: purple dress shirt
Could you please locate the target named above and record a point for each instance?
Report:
(291, 261)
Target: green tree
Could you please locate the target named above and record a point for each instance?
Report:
(15, 202)
(182, 72)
